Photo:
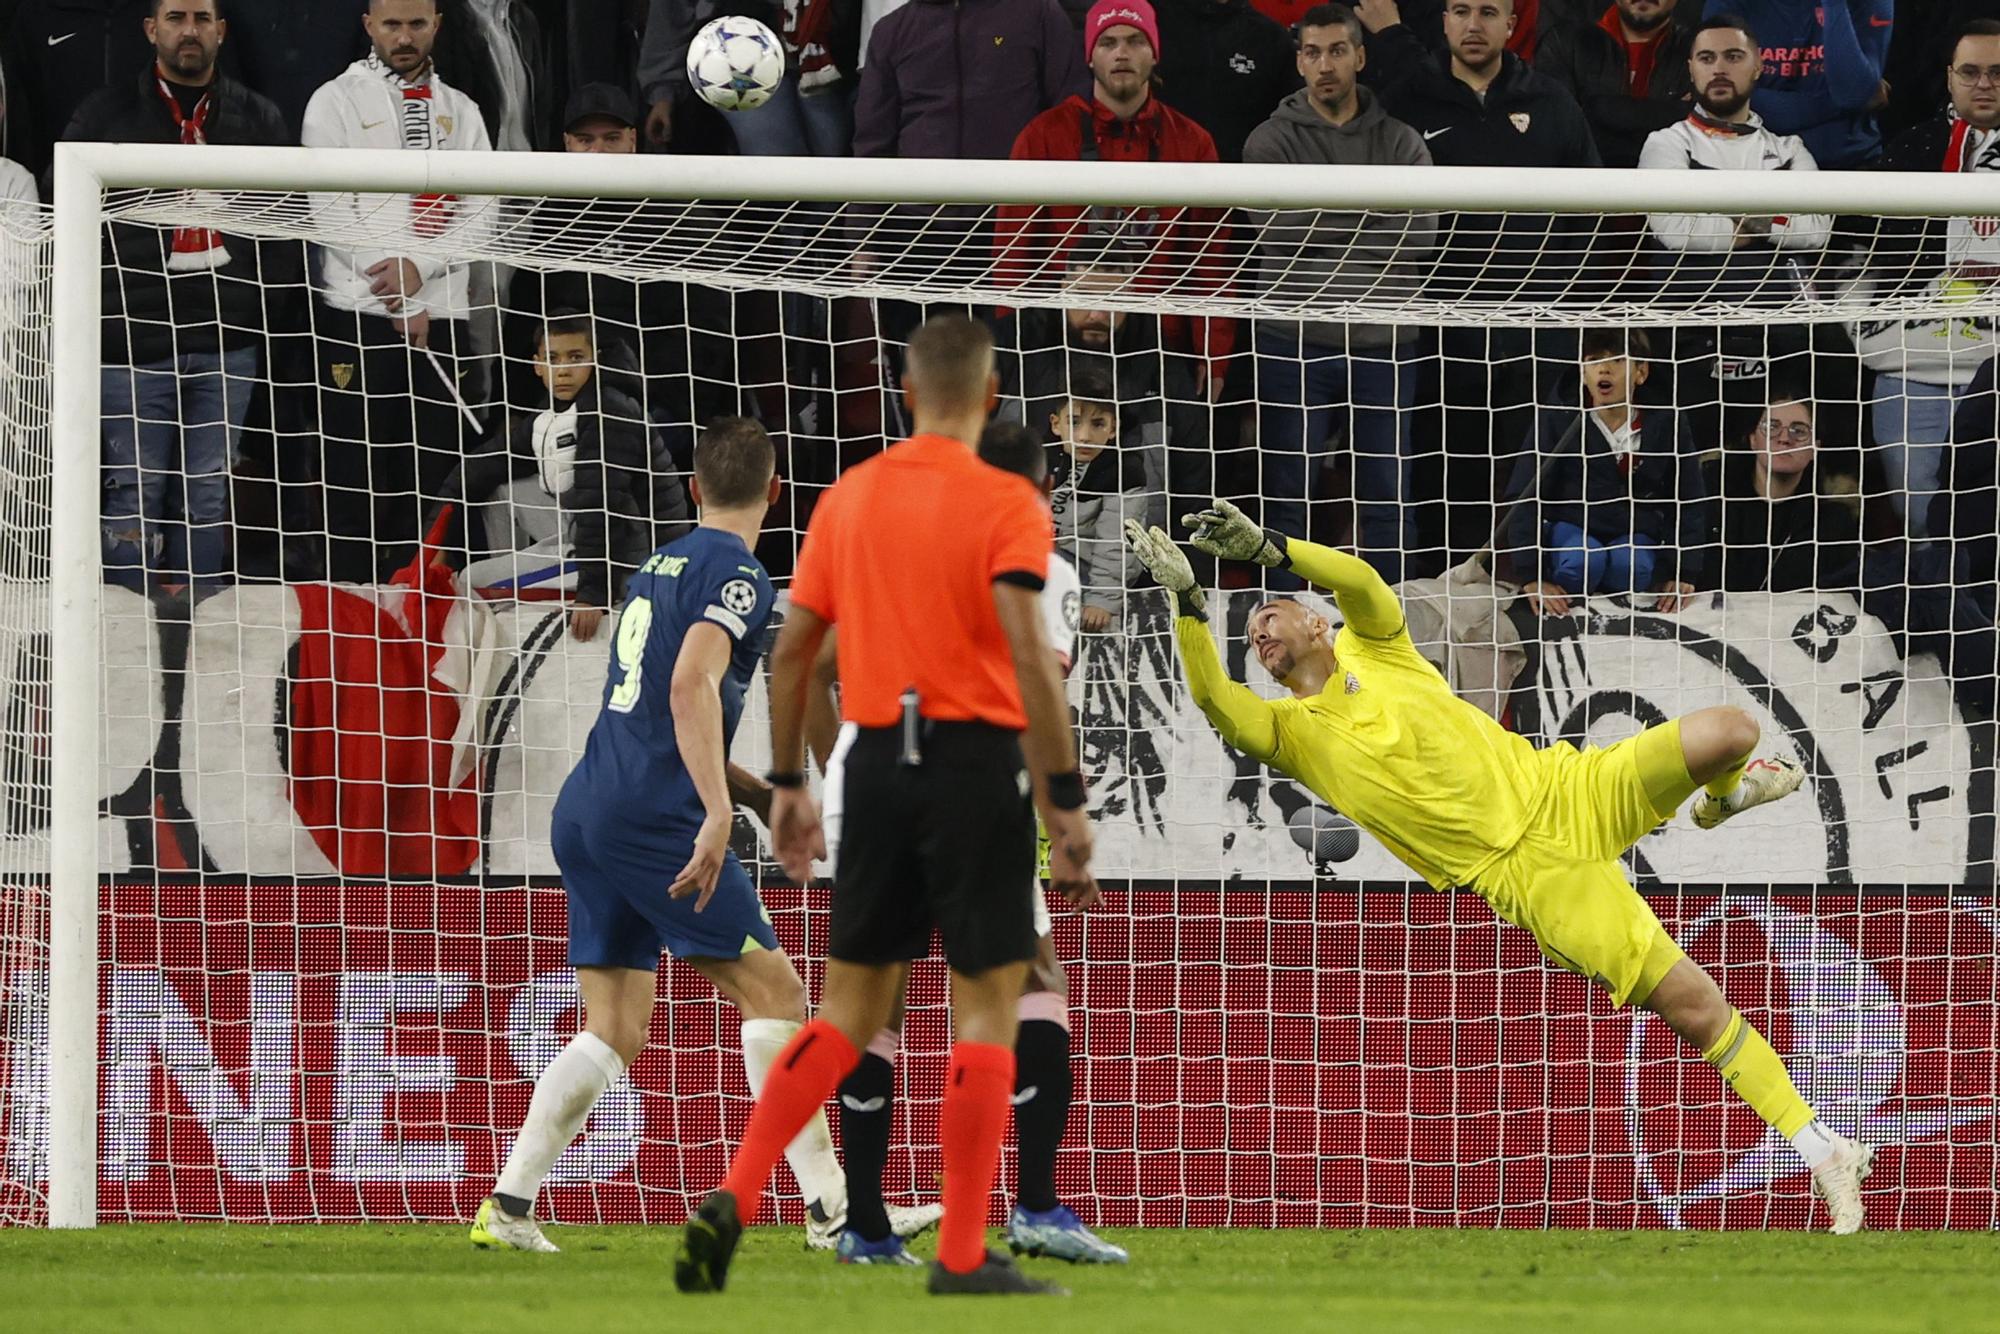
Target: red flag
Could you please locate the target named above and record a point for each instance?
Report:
(371, 729)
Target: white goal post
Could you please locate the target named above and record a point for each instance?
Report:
(85, 174)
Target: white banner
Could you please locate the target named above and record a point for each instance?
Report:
(1889, 799)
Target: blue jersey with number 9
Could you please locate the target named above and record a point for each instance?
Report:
(631, 770)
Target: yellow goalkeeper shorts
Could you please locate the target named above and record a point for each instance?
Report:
(1563, 881)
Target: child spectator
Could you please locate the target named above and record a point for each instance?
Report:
(580, 492)
(1613, 499)
(1096, 486)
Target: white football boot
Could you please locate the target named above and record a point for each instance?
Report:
(1838, 1182)
(494, 1229)
(1764, 781)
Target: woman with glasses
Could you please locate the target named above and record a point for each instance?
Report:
(1788, 529)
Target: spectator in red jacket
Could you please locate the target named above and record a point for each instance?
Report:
(1123, 122)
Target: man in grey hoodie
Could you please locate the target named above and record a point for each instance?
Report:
(1309, 372)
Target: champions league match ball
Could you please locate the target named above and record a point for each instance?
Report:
(735, 64)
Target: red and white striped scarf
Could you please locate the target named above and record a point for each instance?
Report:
(194, 247)
(417, 116)
(805, 25)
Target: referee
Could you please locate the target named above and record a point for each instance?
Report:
(929, 561)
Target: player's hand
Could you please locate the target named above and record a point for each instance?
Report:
(393, 280)
(1071, 844)
(1674, 595)
(583, 622)
(704, 870)
(660, 124)
(1224, 531)
(1094, 620)
(1167, 563)
(1546, 599)
(796, 836)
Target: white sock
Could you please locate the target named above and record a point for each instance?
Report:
(564, 1095)
(1816, 1144)
(817, 1170)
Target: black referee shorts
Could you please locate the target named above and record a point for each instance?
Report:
(946, 844)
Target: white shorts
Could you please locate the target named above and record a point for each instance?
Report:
(831, 799)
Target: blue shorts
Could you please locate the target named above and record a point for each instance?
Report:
(619, 912)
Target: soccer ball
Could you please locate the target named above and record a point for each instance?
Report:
(735, 63)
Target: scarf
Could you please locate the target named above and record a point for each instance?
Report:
(194, 248)
(1723, 127)
(1972, 245)
(416, 113)
(1971, 150)
(804, 29)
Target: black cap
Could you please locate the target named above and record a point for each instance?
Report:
(604, 101)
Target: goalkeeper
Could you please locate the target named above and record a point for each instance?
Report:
(1373, 730)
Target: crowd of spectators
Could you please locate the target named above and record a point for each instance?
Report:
(1624, 462)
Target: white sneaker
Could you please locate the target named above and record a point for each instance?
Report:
(1764, 781)
(905, 1220)
(493, 1229)
(913, 1220)
(823, 1229)
(1838, 1182)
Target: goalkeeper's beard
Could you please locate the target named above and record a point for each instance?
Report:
(1280, 664)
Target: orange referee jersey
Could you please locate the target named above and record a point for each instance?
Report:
(902, 554)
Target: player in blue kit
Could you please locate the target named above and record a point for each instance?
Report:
(641, 832)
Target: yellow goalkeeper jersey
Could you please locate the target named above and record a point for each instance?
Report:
(1442, 785)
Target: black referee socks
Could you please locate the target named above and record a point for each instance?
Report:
(867, 1111)
(1041, 1109)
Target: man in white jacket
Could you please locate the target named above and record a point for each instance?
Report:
(1754, 260)
(391, 320)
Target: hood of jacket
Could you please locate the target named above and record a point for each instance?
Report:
(1516, 83)
(1297, 111)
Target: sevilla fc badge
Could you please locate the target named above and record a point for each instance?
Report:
(1520, 119)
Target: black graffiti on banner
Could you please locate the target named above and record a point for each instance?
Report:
(1879, 705)
(1823, 620)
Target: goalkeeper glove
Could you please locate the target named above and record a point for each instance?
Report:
(1225, 531)
(1168, 566)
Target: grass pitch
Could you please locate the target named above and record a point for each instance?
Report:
(407, 1280)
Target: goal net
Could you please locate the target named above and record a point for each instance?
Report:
(323, 587)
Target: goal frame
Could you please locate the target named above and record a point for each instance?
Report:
(84, 172)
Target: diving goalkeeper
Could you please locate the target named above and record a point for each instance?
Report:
(1375, 731)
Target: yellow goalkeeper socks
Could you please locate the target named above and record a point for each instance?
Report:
(1748, 1065)
(1727, 781)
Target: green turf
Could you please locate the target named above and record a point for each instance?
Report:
(409, 1280)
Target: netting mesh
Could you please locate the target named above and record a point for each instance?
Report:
(345, 680)
(25, 740)
(1355, 264)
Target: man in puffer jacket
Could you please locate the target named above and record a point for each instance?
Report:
(594, 488)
